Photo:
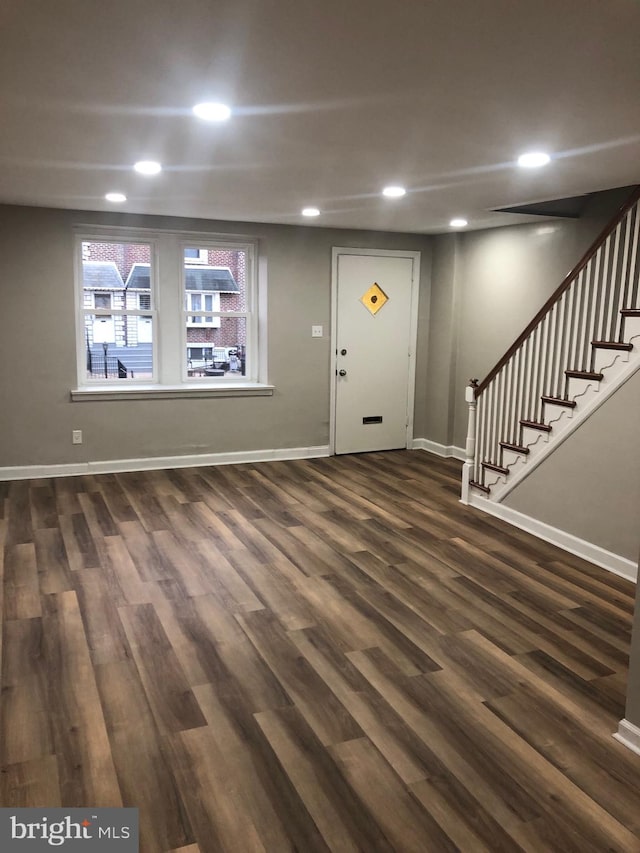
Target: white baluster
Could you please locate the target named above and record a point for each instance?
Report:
(470, 446)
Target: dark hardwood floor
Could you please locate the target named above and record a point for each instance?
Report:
(313, 655)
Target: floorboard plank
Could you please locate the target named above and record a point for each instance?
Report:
(171, 700)
(144, 773)
(404, 823)
(343, 820)
(21, 583)
(25, 726)
(222, 822)
(85, 761)
(30, 784)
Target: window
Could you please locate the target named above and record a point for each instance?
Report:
(102, 300)
(203, 302)
(164, 310)
(196, 256)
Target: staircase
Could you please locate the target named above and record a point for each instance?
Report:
(579, 348)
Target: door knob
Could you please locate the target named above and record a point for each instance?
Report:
(342, 372)
(343, 352)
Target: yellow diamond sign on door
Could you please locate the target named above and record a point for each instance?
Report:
(374, 298)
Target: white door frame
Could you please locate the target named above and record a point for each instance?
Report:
(411, 343)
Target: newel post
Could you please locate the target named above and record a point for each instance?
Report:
(470, 446)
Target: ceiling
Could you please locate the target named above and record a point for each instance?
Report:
(331, 101)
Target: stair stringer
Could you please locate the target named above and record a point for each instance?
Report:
(589, 395)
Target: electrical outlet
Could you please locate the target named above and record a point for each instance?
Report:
(76, 436)
(316, 331)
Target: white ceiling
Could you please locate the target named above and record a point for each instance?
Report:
(332, 100)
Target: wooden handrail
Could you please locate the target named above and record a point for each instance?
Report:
(567, 281)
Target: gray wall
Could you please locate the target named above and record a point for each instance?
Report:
(633, 686)
(434, 420)
(37, 348)
(590, 485)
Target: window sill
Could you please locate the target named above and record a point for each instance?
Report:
(170, 392)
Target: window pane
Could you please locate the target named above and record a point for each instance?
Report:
(120, 271)
(117, 276)
(217, 352)
(102, 300)
(196, 256)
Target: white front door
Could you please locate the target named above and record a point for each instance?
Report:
(375, 311)
(145, 330)
(103, 329)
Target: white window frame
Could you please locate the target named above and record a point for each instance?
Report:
(167, 289)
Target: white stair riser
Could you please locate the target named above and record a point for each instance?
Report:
(531, 436)
(555, 415)
(581, 388)
(631, 330)
(603, 359)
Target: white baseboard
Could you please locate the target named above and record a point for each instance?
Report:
(629, 735)
(152, 463)
(580, 547)
(447, 451)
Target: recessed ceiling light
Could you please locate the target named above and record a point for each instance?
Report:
(116, 198)
(147, 167)
(394, 192)
(209, 111)
(310, 211)
(458, 223)
(533, 159)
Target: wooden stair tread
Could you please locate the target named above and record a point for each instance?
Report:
(630, 312)
(480, 486)
(559, 401)
(583, 374)
(536, 425)
(517, 448)
(617, 345)
(498, 468)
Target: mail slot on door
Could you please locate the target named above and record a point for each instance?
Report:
(373, 419)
